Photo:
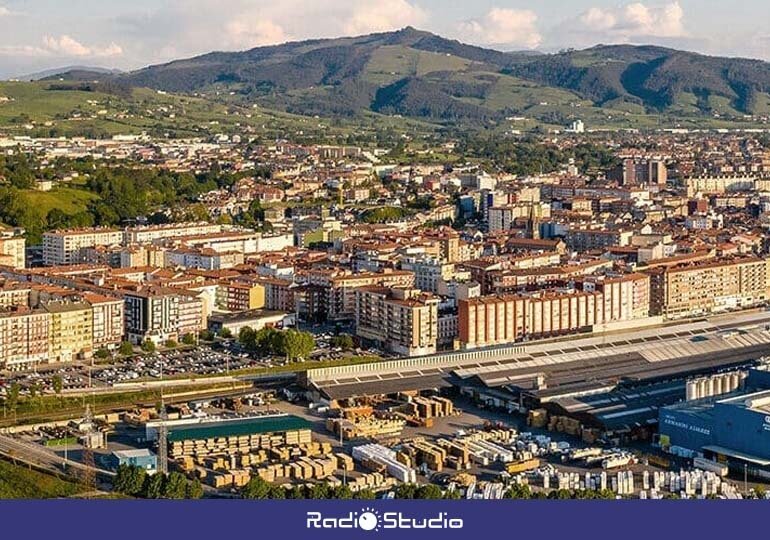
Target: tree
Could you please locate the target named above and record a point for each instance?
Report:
(148, 346)
(257, 488)
(296, 344)
(12, 396)
(406, 491)
(175, 486)
(57, 383)
(188, 339)
(171, 344)
(296, 492)
(341, 492)
(247, 337)
(452, 494)
(364, 494)
(319, 491)
(225, 333)
(154, 486)
(276, 492)
(429, 491)
(129, 480)
(518, 492)
(126, 349)
(102, 353)
(194, 489)
(343, 341)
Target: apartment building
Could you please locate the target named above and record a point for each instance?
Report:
(626, 296)
(24, 338)
(428, 272)
(708, 286)
(588, 239)
(108, 320)
(240, 295)
(71, 331)
(203, 258)
(12, 248)
(495, 320)
(719, 184)
(14, 294)
(192, 318)
(63, 247)
(340, 288)
(152, 314)
(400, 320)
(279, 294)
(150, 233)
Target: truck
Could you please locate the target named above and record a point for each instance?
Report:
(720, 469)
(522, 466)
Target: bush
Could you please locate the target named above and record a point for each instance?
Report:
(126, 349)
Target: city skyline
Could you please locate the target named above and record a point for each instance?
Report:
(40, 34)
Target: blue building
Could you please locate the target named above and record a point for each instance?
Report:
(141, 457)
(733, 429)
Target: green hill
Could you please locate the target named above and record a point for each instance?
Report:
(407, 80)
(421, 75)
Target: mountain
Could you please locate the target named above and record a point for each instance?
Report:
(69, 72)
(657, 78)
(419, 75)
(422, 75)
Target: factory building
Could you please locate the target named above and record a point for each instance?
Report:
(731, 428)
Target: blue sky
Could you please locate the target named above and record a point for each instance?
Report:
(41, 34)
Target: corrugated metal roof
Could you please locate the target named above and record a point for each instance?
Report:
(249, 426)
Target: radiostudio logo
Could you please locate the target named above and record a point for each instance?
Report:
(371, 519)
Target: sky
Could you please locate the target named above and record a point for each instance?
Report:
(128, 34)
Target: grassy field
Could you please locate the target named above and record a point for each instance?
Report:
(19, 482)
(394, 62)
(68, 200)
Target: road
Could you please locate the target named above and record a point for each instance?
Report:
(42, 457)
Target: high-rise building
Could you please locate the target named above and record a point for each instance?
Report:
(12, 248)
(108, 320)
(500, 319)
(400, 320)
(709, 286)
(24, 338)
(152, 314)
(71, 331)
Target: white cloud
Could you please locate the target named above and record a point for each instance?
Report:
(383, 15)
(632, 21)
(68, 46)
(63, 46)
(503, 26)
(245, 33)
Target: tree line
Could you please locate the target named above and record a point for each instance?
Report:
(136, 482)
(291, 343)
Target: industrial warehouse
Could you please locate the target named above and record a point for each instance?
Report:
(729, 424)
(614, 384)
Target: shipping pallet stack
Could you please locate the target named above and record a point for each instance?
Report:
(565, 424)
(365, 427)
(421, 452)
(242, 444)
(537, 418)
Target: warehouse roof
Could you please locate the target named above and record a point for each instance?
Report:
(247, 426)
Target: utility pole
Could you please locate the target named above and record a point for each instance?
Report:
(746, 479)
(162, 429)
